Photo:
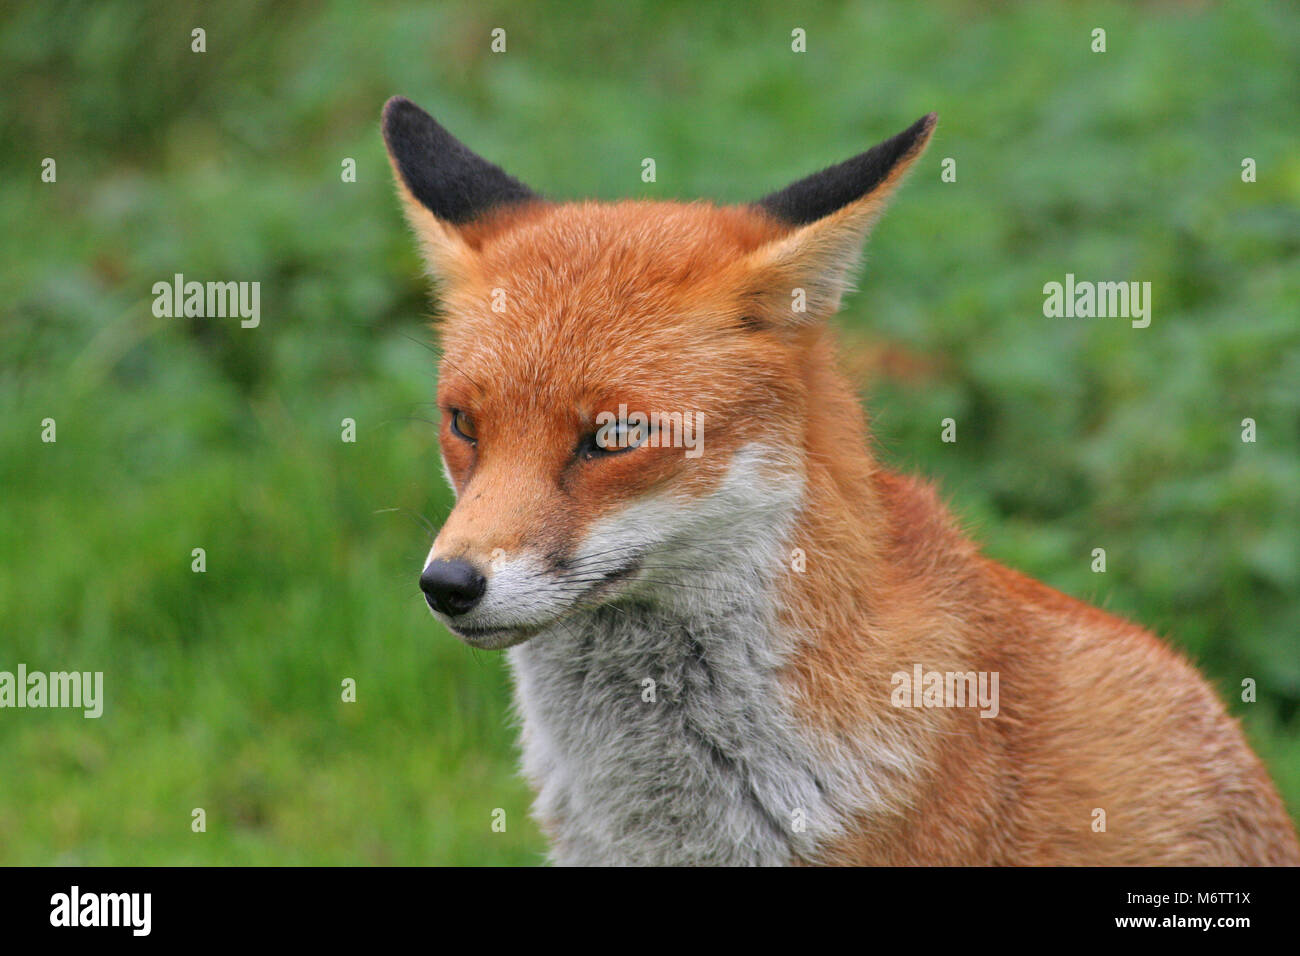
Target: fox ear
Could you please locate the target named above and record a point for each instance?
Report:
(829, 215)
(445, 186)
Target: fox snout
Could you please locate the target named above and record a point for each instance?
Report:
(452, 587)
(510, 599)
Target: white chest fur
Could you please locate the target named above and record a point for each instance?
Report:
(701, 767)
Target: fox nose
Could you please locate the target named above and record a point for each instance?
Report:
(452, 587)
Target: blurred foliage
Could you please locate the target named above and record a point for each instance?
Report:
(223, 689)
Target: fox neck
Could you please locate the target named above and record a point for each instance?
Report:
(664, 729)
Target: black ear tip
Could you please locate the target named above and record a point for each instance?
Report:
(441, 172)
(821, 194)
(920, 131)
(395, 102)
(401, 115)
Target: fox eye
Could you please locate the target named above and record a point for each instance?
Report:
(611, 439)
(591, 447)
(462, 426)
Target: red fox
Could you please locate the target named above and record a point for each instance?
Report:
(736, 638)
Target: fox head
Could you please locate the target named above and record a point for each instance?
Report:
(629, 391)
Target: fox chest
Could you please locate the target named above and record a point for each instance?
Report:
(654, 743)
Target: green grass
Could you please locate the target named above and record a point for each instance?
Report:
(223, 688)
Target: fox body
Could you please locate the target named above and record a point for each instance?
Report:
(706, 648)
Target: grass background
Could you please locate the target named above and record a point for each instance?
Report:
(223, 688)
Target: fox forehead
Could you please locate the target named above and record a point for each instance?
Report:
(579, 268)
(606, 301)
(649, 241)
